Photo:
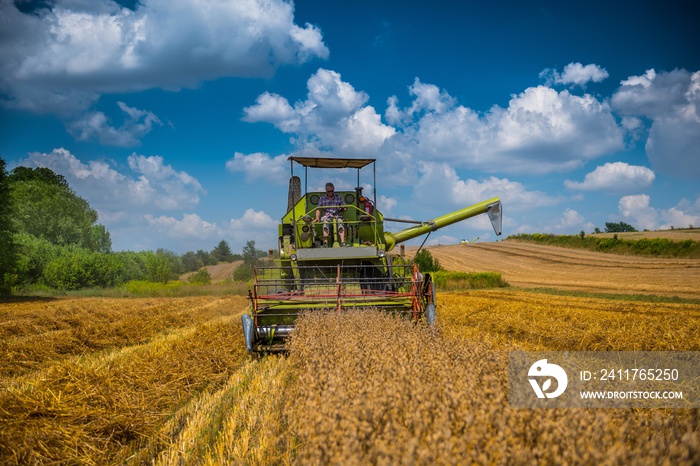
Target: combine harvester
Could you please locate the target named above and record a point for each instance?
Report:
(312, 276)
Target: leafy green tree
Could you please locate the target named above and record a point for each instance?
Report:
(69, 271)
(99, 239)
(251, 258)
(42, 174)
(46, 207)
(158, 267)
(222, 252)
(200, 277)
(134, 263)
(174, 260)
(190, 262)
(251, 255)
(8, 250)
(77, 268)
(205, 257)
(618, 227)
(34, 254)
(163, 265)
(426, 262)
(242, 273)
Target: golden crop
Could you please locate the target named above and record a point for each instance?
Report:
(546, 322)
(96, 406)
(373, 389)
(167, 381)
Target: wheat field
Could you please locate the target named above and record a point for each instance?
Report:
(167, 381)
(533, 265)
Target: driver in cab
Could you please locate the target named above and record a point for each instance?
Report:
(333, 203)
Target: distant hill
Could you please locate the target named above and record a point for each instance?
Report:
(668, 243)
(218, 272)
(539, 266)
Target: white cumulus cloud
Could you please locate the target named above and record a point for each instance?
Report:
(252, 220)
(638, 211)
(275, 109)
(61, 58)
(447, 190)
(260, 166)
(671, 100)
(189, 227)
(569, 222)
(615, 177)
(575, 73)
(152, 184)
(253, 225)
(167, 44)
(97, 125)
(333, 116)
(541, 131)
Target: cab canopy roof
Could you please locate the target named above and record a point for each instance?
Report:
(327, 162)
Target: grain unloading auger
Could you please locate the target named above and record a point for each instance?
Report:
(312, 275)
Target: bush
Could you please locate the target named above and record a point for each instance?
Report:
(70, 271)
(243, 273)
(33, 254)
(426, 262)
(77, 268)
(200, 277)
(162, 265)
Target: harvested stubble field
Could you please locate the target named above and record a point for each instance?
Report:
(533, 265)
(167, 381)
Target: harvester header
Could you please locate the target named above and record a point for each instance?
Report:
(334, 254)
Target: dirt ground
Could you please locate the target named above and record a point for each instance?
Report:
(531, 265)
(218, 272)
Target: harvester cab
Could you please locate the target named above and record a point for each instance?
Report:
(349, 265)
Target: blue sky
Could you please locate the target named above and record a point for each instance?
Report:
(174, 119)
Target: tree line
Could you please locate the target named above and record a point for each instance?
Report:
(49, 237)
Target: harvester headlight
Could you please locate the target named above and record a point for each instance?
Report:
(381, 253)
(293, 257)
(305, 228)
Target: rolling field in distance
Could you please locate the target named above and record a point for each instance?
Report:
(532, 265)
(168, 381)
(675, 235)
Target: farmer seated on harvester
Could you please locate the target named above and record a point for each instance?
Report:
(332, 207)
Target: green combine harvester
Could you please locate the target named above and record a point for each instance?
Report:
(319, 273)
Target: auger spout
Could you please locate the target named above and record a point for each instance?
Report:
(492, 207)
